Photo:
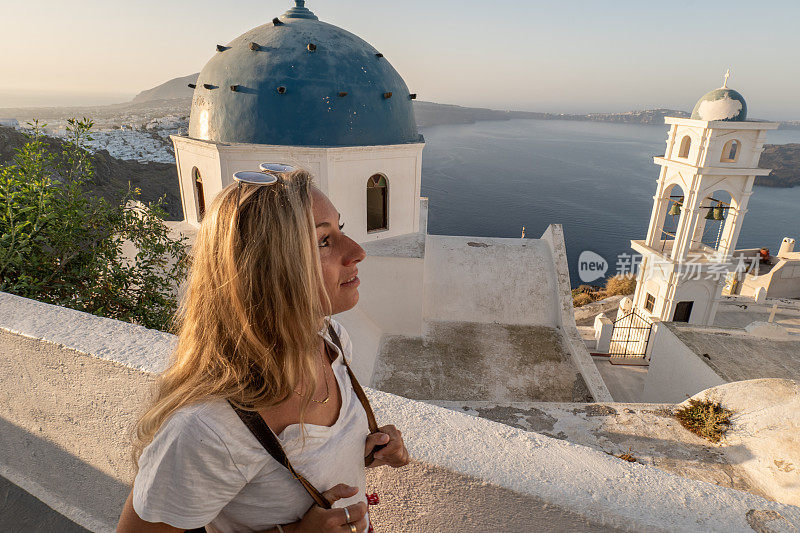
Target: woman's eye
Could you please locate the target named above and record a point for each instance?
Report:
(324, 242)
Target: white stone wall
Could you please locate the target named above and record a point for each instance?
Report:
(65, 425)
(782, 281)
(675, 371)
(391, 293)
(479, 279)
(349, 170)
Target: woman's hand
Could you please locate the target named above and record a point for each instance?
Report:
(393, 454)
(319, 520)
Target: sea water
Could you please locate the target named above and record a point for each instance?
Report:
(489, 179)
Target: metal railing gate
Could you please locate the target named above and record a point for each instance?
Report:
(630, 335)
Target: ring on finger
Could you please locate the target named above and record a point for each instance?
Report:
(346, 515)
(353, 528)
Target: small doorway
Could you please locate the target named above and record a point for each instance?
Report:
(682, 312)
(198, 187)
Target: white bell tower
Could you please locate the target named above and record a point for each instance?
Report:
(706, 180)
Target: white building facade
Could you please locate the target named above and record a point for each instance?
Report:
(345, 174)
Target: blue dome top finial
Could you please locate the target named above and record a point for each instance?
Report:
(723, 104)
(300, 11)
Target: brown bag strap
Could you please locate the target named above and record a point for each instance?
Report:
(262, 432)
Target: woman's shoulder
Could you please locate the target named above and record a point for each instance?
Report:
(216, 428)
(188, 472)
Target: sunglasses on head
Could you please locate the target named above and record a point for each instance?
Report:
(268, 175)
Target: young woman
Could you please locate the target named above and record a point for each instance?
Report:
(271, 264)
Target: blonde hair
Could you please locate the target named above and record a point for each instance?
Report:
(248, 323)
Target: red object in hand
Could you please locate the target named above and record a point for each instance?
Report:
(373, 499)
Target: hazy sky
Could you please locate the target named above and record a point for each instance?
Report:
(569, 56)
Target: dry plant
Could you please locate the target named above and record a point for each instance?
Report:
(620, 284)
(581, 299)
(705, 418)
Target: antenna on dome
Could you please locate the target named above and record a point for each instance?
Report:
(725, 82)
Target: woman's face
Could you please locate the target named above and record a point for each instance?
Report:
(338, 255)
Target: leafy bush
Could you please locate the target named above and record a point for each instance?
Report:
(61, 244)
(705, 418)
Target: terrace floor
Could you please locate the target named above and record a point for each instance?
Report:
(493, 362)
(624, 382)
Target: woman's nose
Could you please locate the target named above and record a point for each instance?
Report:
(355, 253)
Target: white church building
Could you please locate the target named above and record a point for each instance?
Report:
(306, 93)
(706, 180)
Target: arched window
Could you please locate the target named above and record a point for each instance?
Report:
(730, 152)
(377, 203)
(198, 188)
(686, 145)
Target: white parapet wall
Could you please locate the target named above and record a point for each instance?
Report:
(488, 279)
(565, 313)
(72, 386)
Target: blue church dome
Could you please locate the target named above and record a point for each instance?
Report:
(721, 104)
(298, 81)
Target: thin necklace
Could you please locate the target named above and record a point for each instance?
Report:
(327, 389)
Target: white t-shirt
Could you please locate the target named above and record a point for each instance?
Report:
(205, 468)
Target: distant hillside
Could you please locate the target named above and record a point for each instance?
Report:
(112, 175)
(174, 88)
(434, 114)
(784, 160)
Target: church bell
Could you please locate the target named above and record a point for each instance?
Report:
(719, 212)
(675, 208)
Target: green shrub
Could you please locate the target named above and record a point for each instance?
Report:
(705, 418)
(61, 244)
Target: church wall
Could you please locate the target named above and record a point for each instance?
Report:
(391, 293)
(701, 292)
(656, 284)
(204, 157)
(313, 161)
(696, 135)
(340, 172)
(366, 337)
(350, 168)
(390, 303)
(746, 158)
